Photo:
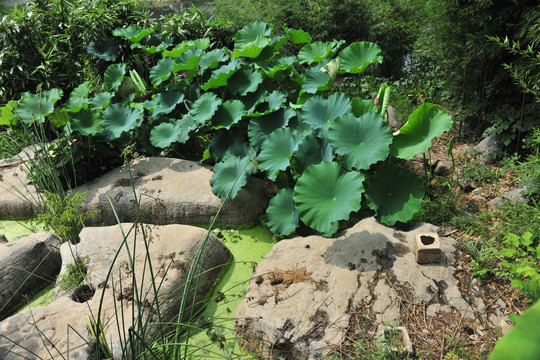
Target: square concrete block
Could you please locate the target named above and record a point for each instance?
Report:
(427, 248)
(399, 339)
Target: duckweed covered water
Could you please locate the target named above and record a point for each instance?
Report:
(14, 230)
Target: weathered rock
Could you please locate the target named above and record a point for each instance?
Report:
(488, 149)
(18, 198)
(514, 196)
(170, 191)
(3, 239)
(298, 299)
(171, 250)
(442, 168)
(26, 267)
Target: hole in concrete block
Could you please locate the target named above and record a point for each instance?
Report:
(427, 240)
(83, 294)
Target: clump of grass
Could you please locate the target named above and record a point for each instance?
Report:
(74, 275)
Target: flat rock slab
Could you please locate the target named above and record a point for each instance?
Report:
(300, 297)
(48, 332)
(18, 198)
(170, 191)
(26, 267)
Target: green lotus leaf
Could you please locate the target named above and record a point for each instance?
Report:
(332, 69)
(523, 341)
(87, 122)
(253, 49)
(423, 125)
(59, 117)
(230, 175)
(154, 45)
(120, 118)
(185, 45)
(276, 152)
(184, 126)
(318, 51)
(133, 33)
(279, 69)
(297, 36)
(324, 195)
(164, 135)
(78, 99)
(114, 75)
(35, 107)
(361, 141)
(228, 114)
(319, 113)
(245, 81)
(311, 151)
(229, 142)
(211, 59)
(188, 60)
(361, 106)
(162, 71)
(165, 102)
(395, 194)
(315, 80)
(282, 214)
(356, 57)
(251, 40)
(7, 114)
(204, 107)
(107, 50)
(269, 104)
(221, 76)
(259, 128)
(101, 101)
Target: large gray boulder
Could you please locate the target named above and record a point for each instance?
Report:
(298, 302)
(488, 149)
(63, 324)
(170, 191)
(27, 266)
(514, 196)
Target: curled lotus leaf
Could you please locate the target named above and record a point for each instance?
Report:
(245, 81)
(36, 107)
(114, 75)
(133, 33)
(120, 118)
(87, 122)
(78, 99)
(356, 57)
(204, 107)
(324, 195)
(282, 214)
(277, 151)
(229, 113)
(230, 175)
(220, 77)
(297, 36)
(161, 71)
(320, 113)
(318, 51)
(212, 59)
(259, 128)
(164, 135)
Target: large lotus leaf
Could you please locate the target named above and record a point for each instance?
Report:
(7, 114)
(356, 57)
(185, 45)
(315, 80)
(184, 127)
(424, 124)
(211, 59)
(221, 76)
(204, 107)
(133, 33)
(165, 102)
(114, 75)
(269, 104)
(35, 107)
(120, 118)
(361, 106)
(101, 101)
(259, 128)
(253, 49)
(361, 141)
(162, 71)
(78, 99)
(164, 135)
(297, 36)
(107, 50)
(188, 60)
(276, 152)
(59, 117)
(325, 195)
(523, 340)
(318, 51)
(245, 81)
(87, 122)
(311, 151)
(279, 69)
(251, 40)
(230, 175)
(319, 113)
(229, 142)
(394, 193)
(229, 113)
(154, 45)
(282, 214)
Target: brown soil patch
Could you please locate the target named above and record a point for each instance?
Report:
(284, 279)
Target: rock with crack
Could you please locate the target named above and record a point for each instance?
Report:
(299, 300)
(116, 290)
(169, 191)
(26, 267)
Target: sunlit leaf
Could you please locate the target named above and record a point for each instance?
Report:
(78, 99)
(318, 51)
(324, 195)
(251, 40)
(356, 57)
(188, 60)
(120, 118)
(185, 45)
(162, 71)
(423, 125)
(230, 175)
(114, 75)
(297, 36)
(221, 76)
(133, 33)
(164, 135)
(204, 107)
(7, 114)
(315, 80)
(320, 113)
(35, 107)
(361, 141)
(276, 152)
(101, 101)
(212, 59)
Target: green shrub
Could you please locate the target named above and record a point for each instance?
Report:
(74, 275)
